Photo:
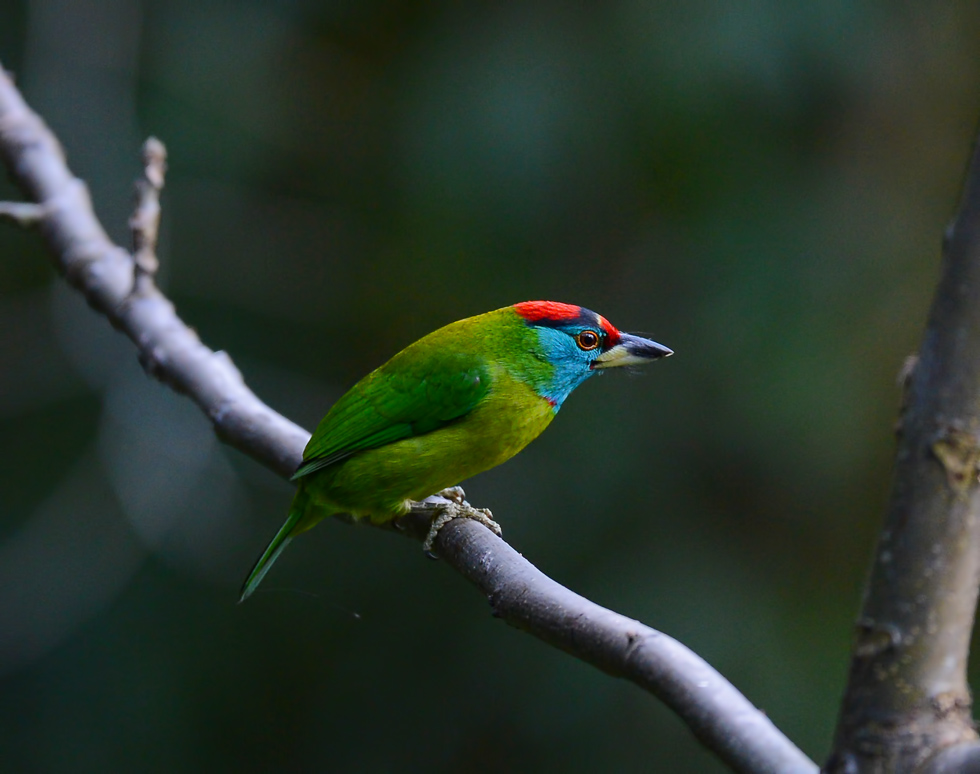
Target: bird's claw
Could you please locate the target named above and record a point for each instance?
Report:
(453, 493)
(457, 508)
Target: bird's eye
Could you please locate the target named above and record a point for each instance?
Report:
(587, 340)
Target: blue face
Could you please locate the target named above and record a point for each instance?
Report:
(571, 349)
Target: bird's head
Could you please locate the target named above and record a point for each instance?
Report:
(577, 343)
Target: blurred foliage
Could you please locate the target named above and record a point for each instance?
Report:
(762, 187)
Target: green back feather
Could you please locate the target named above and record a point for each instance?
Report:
(435, 381)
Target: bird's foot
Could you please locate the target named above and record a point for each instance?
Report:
(457, 508)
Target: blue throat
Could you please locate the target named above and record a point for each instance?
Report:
(571, 365)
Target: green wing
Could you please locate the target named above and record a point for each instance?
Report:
(412, 394)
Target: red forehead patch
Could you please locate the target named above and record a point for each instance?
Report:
(533, 311)
(551, 312)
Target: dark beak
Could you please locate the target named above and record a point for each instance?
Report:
(631, 350)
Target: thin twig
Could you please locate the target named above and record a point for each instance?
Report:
(715, 711)
(22, 213)
(145, 221)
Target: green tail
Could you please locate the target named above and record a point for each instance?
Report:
(279, 542)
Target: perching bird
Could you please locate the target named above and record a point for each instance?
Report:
(453, 404)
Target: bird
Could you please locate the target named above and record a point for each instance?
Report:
(459, 401)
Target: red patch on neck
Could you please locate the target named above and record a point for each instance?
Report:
(534, 311)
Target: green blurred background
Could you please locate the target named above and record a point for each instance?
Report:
(761, 187)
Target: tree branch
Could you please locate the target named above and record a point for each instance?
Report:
(121, 287)
(907, 694)
(958, 759)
